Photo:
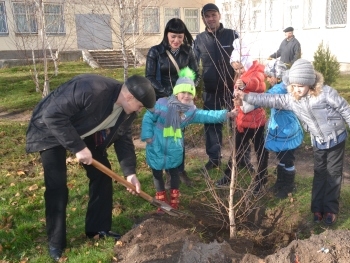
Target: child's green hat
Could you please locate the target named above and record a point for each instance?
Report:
(185, 82)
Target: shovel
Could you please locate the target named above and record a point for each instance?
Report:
(160, 204)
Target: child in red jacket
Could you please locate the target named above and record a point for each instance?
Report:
(250, 121)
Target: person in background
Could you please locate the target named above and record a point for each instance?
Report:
(86, 115)
(163, 73)
(250, 121)
(289, 50)
(284, 132)
(323, 113)
(213, 48)
(162, 130)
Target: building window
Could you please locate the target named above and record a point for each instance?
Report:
(240, 15)
(3, 24)
(227, 14)
(311, 14)
(192, 19)
(150, 17)
(131, 18)
(256, 21)
(293, 14)
(170, 13)
(25, 18)
(273, 15)
(54, 18)
(336, 12)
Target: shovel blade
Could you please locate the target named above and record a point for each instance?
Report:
(167, 208)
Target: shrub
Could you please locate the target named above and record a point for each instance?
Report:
(326, 63)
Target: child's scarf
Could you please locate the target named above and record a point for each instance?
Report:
(172, 123)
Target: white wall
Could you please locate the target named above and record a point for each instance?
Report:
(265, 42)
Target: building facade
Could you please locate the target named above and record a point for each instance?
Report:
(261, 24)
(70, 25)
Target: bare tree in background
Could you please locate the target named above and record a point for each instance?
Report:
(40, 33)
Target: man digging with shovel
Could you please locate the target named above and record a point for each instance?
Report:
(86, 115)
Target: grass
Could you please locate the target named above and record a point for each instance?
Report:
(22, 224)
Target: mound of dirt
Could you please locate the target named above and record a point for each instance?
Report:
(162, 239)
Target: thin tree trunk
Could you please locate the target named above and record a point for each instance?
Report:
(233, 185)
(36, 79)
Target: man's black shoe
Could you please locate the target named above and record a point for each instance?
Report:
(55, 253)
(223, 181)
(211, 164)
(103, 234)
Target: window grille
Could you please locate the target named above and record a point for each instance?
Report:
(25, 17)
(192, 19)
(336, 13)
(131, 19)
(3, 23)
(54, 18)
(227, 14)
(256, 20)
(150, 17)
(240, 15)
(170, 13)
(311, 14)
(293, 14)
(273, 14)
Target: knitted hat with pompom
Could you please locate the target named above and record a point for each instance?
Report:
(185, 82)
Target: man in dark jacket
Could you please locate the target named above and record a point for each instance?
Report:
(85, 116)
(214, 47)
(289, 50)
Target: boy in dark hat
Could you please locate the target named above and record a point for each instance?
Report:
(289, 50)
(86, 115)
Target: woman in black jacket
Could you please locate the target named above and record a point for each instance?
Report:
(162, 72)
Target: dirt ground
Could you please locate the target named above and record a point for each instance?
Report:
(161, 238)
(165, 239)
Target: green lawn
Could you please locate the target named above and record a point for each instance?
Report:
(22, 224)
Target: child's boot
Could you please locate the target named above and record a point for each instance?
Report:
(161, 196)
(280, 181)
(174, 198)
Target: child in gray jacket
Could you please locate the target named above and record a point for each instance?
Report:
(323, 113)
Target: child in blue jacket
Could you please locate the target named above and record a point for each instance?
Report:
(161, 129)
(284, 132)
(323, 113)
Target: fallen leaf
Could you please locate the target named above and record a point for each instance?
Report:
(20, 172)
(119, 243)
(63, 259)
(33, 187)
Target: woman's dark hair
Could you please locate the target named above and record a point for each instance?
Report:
(177, 26)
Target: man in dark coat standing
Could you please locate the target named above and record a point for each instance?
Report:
(86, 115)
(289, 50)
(214, 47)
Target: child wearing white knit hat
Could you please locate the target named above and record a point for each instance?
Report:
(323, 113)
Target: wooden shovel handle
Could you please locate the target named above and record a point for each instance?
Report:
(120, 179)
